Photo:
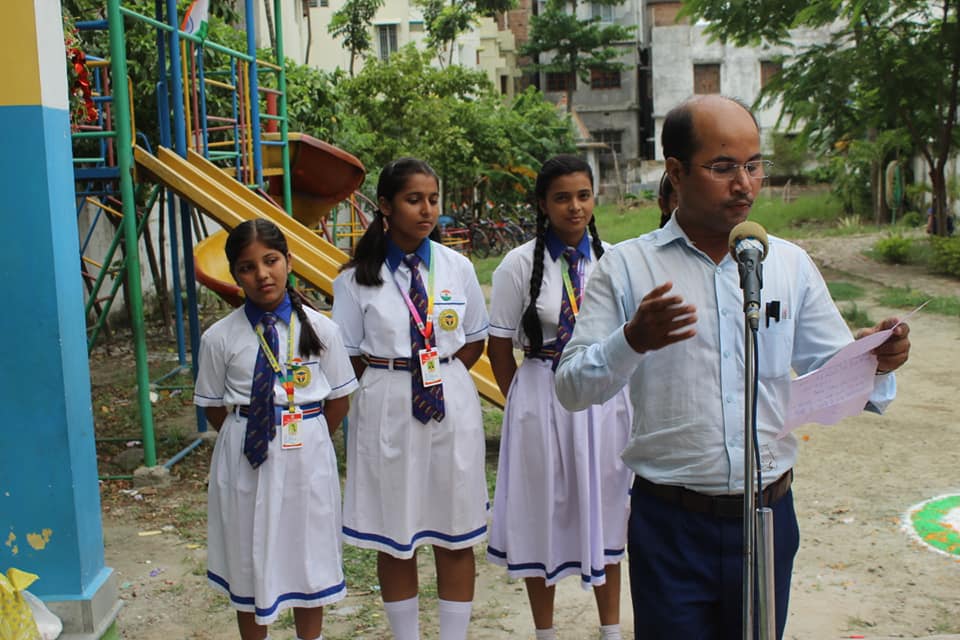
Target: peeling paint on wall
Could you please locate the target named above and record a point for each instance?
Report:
(11, 539)
(39, 540)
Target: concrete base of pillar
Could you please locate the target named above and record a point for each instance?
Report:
(89, 619)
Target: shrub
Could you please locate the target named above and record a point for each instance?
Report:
(913, 219)
(946, 256)
(894, 249)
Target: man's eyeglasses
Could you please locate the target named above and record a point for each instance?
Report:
(727, 171)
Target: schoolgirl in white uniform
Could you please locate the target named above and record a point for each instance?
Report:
(414, 322)
(561, 501)
(274, 379)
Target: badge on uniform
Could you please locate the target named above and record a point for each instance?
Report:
(290, 424)
(301, 376)
(430, 367)
(448, 320)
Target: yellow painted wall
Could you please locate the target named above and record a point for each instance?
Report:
(18, 46)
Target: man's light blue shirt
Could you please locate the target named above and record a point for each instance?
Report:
(688, 397)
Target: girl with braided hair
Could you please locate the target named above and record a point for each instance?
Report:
(560, 505)
(274, 380)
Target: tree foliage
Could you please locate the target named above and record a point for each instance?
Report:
(450, 117)
(884, 65)
(446, 19)
(352, 24)
(576, 45)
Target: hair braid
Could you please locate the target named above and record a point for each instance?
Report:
(595, 238)
(309, 340)
(531, 320)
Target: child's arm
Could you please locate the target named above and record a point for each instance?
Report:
(504, 365)
(215, 416)
(470, 353)
(334, 411)
(359, 366)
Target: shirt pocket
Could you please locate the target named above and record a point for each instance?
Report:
(448, 313)
(310, 384)
(775, 346)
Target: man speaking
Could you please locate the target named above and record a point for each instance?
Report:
(664, 313)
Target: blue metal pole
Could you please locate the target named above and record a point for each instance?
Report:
(250, 18)
(163, 117)
(186, 232)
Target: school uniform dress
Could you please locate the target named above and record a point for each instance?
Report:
(408, 483)
(561, 502)
(273, 533)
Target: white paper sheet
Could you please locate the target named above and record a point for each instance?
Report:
(841, 387)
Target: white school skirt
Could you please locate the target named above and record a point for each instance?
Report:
(411, 484)
(562, 498)
(273, 533)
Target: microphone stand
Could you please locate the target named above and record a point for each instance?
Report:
(757, 522)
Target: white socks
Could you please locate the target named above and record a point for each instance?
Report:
(610, 632)
(454, 619)
(546, 634)
(404, 617)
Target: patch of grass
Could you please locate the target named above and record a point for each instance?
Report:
(360, 568)
(285, 620)
(856, 622)
(843, 291)
(911, 299)
(856, 317)
(492, 420)
(946, 623)
(485, 267)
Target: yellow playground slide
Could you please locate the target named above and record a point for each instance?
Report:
(315, 260)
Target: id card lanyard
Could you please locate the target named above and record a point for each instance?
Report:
(286, 380)
(424, 327)
(568, 285)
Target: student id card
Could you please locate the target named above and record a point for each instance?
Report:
(291, 422)
(430, 367)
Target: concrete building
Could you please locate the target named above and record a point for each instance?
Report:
(667, 60)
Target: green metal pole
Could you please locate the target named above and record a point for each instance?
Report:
(284, 126)
(121, 112)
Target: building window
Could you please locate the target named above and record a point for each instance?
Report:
(318, 3)
(614, 141)
(602, 11)
(768, 69)
(560, 81)
(416, 27)
(387, 37)
(603, 79)
(706, 78)
(612, 138)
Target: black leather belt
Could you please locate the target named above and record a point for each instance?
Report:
(723, 506)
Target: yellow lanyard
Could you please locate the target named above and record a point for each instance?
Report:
(286, 380)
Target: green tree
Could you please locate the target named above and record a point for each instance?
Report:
(352, 24)
(451, 117)
(577, 45)
(447, 19)
(885, 65)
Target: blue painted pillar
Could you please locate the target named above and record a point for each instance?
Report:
(49, 498)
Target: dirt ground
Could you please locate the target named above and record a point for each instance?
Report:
(858, 573)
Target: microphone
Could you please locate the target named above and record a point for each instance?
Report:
(748, 246)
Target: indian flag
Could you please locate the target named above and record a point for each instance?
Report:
(195, 20)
